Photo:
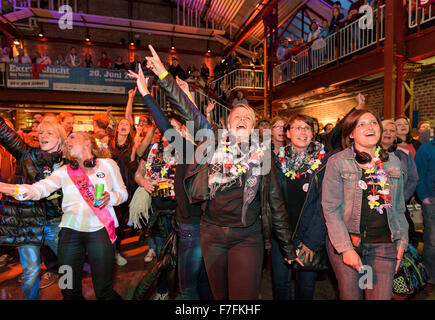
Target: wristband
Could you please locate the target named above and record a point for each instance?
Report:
(190, 96)
(163, 75)
(15, 192)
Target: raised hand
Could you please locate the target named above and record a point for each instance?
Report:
(141, 81)
(154, 63)
(183, 85)
(210, 106)
(132, 93)
(361, 101)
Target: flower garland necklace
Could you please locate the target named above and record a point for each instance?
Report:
(381, 176)
(228, 158)
(170, 165)
(290, 165)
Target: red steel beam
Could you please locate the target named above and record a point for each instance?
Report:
(244, 33)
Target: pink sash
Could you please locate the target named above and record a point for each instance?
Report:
(86, 189)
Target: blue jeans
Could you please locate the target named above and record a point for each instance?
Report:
(31, 261)
(192, 276)
(282, 278)
(381, 257)
(429, 239)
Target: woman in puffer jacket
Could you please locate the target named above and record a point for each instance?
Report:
(28, 224)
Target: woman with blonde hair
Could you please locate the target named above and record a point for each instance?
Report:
(89, 221)
(243, 203)
(37, 220)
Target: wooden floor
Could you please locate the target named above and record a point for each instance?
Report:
(127, 277)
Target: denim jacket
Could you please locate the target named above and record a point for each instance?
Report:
(342, 199)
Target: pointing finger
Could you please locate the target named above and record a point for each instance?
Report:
(153, 52)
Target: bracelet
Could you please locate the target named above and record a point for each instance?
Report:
(163, 75)
(190, 96)
(16, 191)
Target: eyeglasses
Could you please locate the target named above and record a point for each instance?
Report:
(278, 127)
(300, 129)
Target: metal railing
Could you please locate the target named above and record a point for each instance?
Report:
(424, 14)
(38, 4)
(244, 78)
(189, 15)
(346, 41)
(201, 100)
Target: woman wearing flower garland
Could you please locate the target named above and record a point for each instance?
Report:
(301, 166)
(363, 205)
(241, 204)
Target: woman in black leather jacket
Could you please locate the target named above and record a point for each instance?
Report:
(242, 205)
(27, 224)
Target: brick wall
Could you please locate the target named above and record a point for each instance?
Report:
(424, 101)
(330, 110)
(424, 96)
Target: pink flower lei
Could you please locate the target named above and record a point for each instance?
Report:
(313, 162)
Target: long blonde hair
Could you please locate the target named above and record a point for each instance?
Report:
(95, 149)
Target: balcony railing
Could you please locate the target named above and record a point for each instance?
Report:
(423, 14)
(346, 41)
(247, 77)
(38, 4)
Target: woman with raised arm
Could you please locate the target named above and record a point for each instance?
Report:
(192, 277)
(363, 206)
(37, 220)
(122, 146)
(88, 222)
(242, 200)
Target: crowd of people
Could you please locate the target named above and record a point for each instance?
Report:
(320, 30)
(338, 195)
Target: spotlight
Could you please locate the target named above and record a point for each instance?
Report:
(41, 32)
(87, 39)
(16, 42)
(208, 50)
(132, 43)
(172, 47)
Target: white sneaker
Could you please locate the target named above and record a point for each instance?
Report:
(120, 260)
(161, 296)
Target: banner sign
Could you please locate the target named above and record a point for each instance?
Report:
(425, 3)
(60, 78)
